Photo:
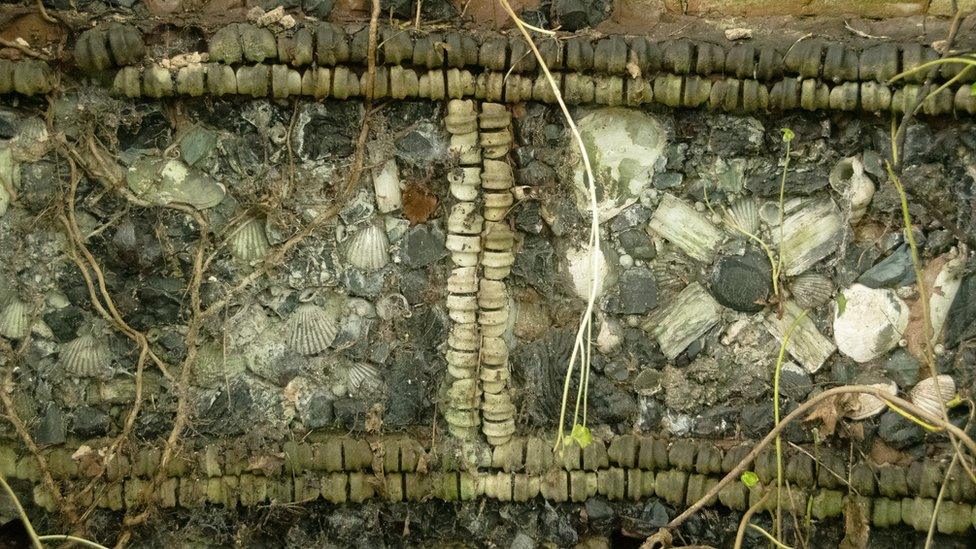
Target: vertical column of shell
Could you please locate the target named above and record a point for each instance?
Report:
(497, 257)
(464, 226)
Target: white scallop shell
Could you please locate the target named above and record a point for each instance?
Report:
(312, 329)
(87, 356)
(214, 365)
(870, 405)
(811, 290)
(15, 319)
(464, 219)
(249, 242)
(368, 249)
(926, 393)
(364, 377)
(743, 215)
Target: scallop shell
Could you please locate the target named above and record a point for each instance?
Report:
(312, 329)
(364, 377)
(870, 405)
(368, 249)
(811, 290)
(250, 241)
(214, 365)
(87, 356)
(15, 321)
(926, 393)
(743, 215)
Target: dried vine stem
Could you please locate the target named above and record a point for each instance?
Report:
(797, 413)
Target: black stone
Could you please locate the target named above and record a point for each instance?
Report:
(413, 285)
(794, 384)
(894, 271)
(961, 324)
(318, 8)
(635, 293)
(51, 429)
(898, 432)
(65, 322)
(573, 15)
(87, 421)
(742, 282)
(318, 413)
(637, 244)
(363, 284)
(902, 368)
(422, 246)
(668, 180)
(527, 218)
(598, 510)
(535, 264)
(632, 216)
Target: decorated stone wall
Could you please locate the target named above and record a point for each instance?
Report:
(261, 287)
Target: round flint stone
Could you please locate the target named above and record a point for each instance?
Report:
(742, 282)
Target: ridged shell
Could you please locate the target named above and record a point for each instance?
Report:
(364, 377)
(15, 319)
(312, 329)
(743, 215)
(870, 405)
(925, 394)
(249, 242)
(215, 365)
(811, 290)
(87, 356)
(368, 249)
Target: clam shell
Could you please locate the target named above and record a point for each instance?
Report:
(811, 290)
(926, 393)
(743, 215)
(368, 249)
(249, 242)
(87, 356)
(364, 377)
(15, 321)
(870, 405)
(214, 365)
(464, 219)
(311, 329)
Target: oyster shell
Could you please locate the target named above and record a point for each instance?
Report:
(806, 344)
(809, 234)
(368, 249)
(87, 356)
(692, 313)
(312, 329)
(870, 323)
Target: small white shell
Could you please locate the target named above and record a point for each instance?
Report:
(368, 249)
(386, 187)
(364, 377)
(848, 178)
(498, 237)
(494, 352)
(463, 280)
(249, 242)
(87, 356)
(811, 290)
(464, 337)
(312, 329)
(926, 393)
(464, 182)
(15, 321)
(464, 219)
(492, 294)
(465, 147)
(870, 405)
(497, 175)
(214, 366)
(743, 215)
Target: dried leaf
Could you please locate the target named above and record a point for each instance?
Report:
(856, 527)
(374, 419)
(418, 203)
(827, 412)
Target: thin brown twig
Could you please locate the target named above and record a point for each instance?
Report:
(797, 413)
(746, 517)
(24, 49)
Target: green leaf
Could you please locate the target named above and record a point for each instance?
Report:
(749, 478)
(972, 89)
(841, 304)
(582, 435)
(788, 134)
